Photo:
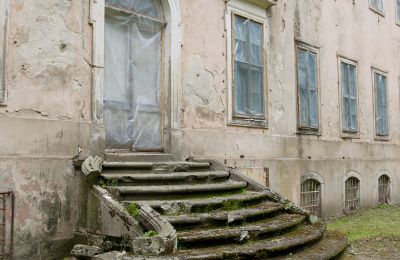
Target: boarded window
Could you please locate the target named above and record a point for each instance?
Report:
(376, 5)
(398, 11)
(3, 34)
(384, 189)
(248, 68)
(381, 105)
(310, 196)
(307, 88)
(349, 96)
(352, 194)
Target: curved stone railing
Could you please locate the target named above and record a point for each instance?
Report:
(165, 240)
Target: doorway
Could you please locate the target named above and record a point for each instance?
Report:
(133, 46)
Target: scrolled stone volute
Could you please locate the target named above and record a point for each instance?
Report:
(93, 165)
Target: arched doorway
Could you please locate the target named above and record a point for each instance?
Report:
(133, 47)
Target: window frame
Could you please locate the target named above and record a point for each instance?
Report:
(256, 14)
(380, 137)
(310, 48)
(4, 31)
(376, 10)
(345, 133)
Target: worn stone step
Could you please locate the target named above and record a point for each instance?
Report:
(242, 234)
(225, 217)
(186, 205)
(158, 166)
(139, 157)
(331, 245)
(154, 191)
(260, 249)
(166, 178)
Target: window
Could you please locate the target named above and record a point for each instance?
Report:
(384, 189)
(381, 104)
(398, 12)
(377, 6)
(248, 66)
(3, 36)
(348, 81)
(310, 196)
(307, 81)
(352, 194)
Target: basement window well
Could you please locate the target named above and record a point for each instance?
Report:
(310, 196)
(352, 195)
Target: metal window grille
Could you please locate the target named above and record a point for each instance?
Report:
(352, 194)
(6, 224)
(310, 196)
(384, 189)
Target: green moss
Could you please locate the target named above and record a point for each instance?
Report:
(151, 233)
(108, 183)
(382, 221)
(133, 209)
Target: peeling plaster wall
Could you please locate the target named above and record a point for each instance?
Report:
(344, 28)
(46, 117)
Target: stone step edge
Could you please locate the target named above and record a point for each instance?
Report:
(242, 233)
(195, 205)
(228, 216)
(261, 248)
(164, 176)
(177, 165)
(174, 189)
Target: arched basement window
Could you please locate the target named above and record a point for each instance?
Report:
(384, 189)
(310, 196)
(352, 194)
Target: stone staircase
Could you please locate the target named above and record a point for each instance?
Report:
(217, 214)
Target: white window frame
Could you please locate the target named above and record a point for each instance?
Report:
(302, 129)
(256, 13)
(344, 132)
(385, 74)
(4, 9)
(376, 10)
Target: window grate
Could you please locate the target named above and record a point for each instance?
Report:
(352, 194)
(310, 196)
(384, 189)
(6, 224)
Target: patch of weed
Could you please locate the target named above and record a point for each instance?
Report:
(133, 209)
(151, 233)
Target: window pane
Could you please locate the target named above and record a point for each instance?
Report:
(151, 8)
(312, 85)
(255, 92)
(240, 88)
(312, 70)
(241, 43)
(256, 43)
(377, 4)
(302, 78)
(313, 109)
(398, 11)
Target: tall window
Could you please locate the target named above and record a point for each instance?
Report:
(310, 196)
(248, 68)
(349, 96)
(381, 104)
(3, 34)
(352, 194)
(384, 189)
(307, 88)
(398, 12)
(376, 5)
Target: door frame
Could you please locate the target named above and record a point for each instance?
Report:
(170, 79)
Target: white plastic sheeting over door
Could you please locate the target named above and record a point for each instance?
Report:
(133, 32)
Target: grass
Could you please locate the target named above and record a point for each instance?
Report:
(151, 233)
(133, 209)
(382, 221)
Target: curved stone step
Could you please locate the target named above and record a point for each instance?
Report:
(205, 205)
(201, 238)
(148, 192)
(139, 157)
(331, 245)
(225, 217)
(165, 178)
(261, 249)
(158, 166)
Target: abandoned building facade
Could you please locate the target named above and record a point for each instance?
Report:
(301, 96)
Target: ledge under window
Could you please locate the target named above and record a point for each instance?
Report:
(308, 131)
(382, 138)
(249, 122)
